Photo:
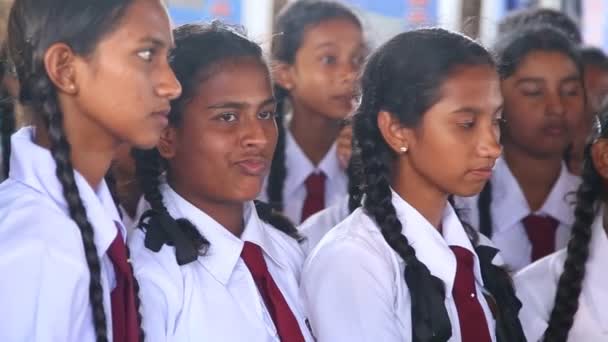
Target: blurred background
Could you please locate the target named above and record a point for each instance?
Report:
(384, 18)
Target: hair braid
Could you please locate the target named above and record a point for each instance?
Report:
(46, 103)
(570, 282)
(278, 168)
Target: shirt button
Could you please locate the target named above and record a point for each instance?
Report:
(472, 295)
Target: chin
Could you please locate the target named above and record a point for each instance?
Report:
(469, 191)
(145, 143)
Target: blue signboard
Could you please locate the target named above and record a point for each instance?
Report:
(413, 12)
(188, 11)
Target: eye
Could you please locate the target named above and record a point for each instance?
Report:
(532, 93)
(329, 59)
(146, 54)
(267, 115)
(467, 124)
(227, 117)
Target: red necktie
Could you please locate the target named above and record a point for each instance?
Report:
(315, 194)
(541, 233)
(284, 320)
(473, 324)
(125, 326)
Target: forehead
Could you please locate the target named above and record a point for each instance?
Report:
(143, 20)
(546, 64)
(240, 80)
(341, 32)
(472, 86)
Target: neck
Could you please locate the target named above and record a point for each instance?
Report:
(228, 214)
(536, 176)
(426, 198)
(91, 152)
(314, 133)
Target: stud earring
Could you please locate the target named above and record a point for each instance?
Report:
(403, 149)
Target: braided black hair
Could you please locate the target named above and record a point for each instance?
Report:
(510, 52)
(7, 117)
(33, 27)
(403, 77)
(292, 23)
(569, 286)
(200, 51)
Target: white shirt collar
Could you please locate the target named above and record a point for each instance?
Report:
(34, 166)
(300, 167)
(225, 248)
(433, 248)
(510, 205)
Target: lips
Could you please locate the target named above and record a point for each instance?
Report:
(162, 115)
(555, 129)
(253, 166)
(483, 173)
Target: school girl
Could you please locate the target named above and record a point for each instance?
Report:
(214, 265)
(525, 208)
(317, 52)
(403, 267)
(95, 75)
(565, 294)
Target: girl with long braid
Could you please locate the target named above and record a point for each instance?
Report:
(565, 294)
(526, 207)
(403, 267)
(95, 75)
(213, 264)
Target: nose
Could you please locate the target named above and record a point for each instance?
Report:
(168, 86)
(256, 134)
(489, 143)
(555, 105)
(349, 72)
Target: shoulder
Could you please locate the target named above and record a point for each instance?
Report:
(316, 226)
(31, 223)
(356, 241)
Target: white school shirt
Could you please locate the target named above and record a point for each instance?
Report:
(215, 298)
(299, 167)
(44, 288)
(536, 286)
(318, 224)
(353, 283)
(509, 207)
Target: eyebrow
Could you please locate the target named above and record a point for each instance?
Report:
(240, 105)
(475, 111)
(569, 78)
(157, 42)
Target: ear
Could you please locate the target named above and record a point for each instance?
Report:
(282, 73)
(599, 156)
(393, 132)
(59, 62)
(167, 143)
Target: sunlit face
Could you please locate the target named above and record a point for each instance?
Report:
(126, 84)
(324, 74)
(226, 138)
(544, 102)
(456, 143)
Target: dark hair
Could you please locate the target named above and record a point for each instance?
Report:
(513, 48)
(510, 52)
(7, 126)
(521, 19)
(32, 28)
(200, 50)
(404, 77)
(569, 286)
(292, 24)
(593, 56)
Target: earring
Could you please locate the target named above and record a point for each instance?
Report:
(403, 149)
